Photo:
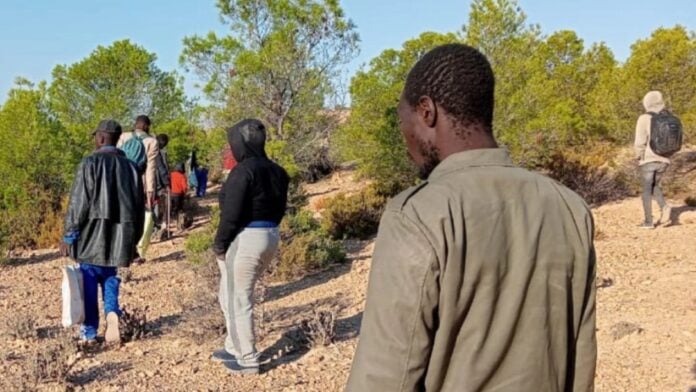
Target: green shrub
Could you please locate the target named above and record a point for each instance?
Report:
(306, 253)
(214, 218)
(297, 197)
(198, 247)
(302, 222)
(354, 216)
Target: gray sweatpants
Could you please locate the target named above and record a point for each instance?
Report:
(246, 259)
(651, 175)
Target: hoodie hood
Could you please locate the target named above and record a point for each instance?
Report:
(653, 102)
(247, 139)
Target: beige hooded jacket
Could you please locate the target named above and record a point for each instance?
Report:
(483, 279)
(653, 103)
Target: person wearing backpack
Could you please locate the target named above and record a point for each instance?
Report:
(102, 226)
(142, 149)
(658, 137)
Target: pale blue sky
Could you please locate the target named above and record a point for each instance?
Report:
(36, 35)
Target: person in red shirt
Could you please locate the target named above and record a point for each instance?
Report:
(179, 188)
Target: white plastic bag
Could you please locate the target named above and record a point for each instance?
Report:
(73, 296)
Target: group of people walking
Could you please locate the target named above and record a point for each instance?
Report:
(483, 275)
(117, 200)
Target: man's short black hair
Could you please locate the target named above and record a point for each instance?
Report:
(142, 119)
(457, 77)
(162, 140)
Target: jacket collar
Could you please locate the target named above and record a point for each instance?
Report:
(472, 158)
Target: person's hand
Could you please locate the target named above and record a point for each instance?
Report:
(64, 249)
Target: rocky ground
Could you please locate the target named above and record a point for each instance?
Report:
(646, 316)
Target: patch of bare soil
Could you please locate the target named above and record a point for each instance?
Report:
(646, 316)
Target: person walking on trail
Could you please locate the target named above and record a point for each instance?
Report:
(652, 165)
(252, 204)
(163, 186)
(483, 276)
(143, 150)
(202, 180)
(102, 226)
(179, 188)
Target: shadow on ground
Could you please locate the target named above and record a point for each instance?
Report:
(162, 325)
(355, 249)
(292, 346)
(102, 372)
(34, 259)
(283, 290)
(174, 256)
(677, 212)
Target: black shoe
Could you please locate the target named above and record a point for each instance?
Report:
(222, 355)
(243, 366)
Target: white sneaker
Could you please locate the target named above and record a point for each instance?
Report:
(248, 364)
(665, 215)
(112, 335)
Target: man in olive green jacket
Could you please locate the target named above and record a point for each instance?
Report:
(483, 275)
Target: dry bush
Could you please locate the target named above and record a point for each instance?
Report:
(50, 231)
(690, 201)
(125, 274)
(320, 329)
(20, 326)
(52, 361)
(594, 184)
(354, 216)
(133, 325)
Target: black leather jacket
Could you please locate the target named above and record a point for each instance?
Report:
(106, 212)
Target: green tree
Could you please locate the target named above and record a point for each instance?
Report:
(279, 63)
(499, 29)
(563, 109)
(33, 164)
(371, 137)
(119, 81)
(666, 62)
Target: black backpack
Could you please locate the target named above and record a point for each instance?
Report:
(665, 133)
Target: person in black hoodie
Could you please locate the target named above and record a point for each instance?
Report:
(252, 204)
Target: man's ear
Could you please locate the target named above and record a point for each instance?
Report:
(427, 111)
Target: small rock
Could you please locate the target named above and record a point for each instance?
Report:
(623, 329)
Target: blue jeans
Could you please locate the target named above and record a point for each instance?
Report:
(92, 277)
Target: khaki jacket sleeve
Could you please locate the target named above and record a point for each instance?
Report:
(401, 312)
(642, 136)
(152, 150)
(586, 342)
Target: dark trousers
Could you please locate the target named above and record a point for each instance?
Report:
(177, 204)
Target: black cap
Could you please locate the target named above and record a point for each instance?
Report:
(108, 126)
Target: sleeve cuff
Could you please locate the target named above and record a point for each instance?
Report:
(71, 237)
